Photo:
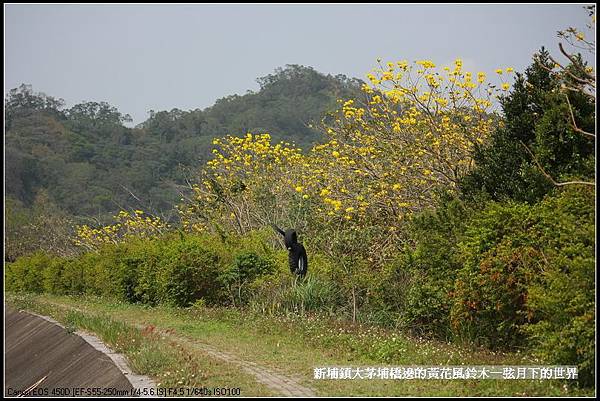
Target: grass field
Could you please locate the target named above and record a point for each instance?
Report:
(162, 342)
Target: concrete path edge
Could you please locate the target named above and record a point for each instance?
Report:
(138, 382)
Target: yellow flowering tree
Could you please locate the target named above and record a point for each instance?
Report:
(384, 157)
(413, 134)
(247, 185)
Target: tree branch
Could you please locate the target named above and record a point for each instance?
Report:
(573, 61)
(574, 77)
(575, 127)
(549, 177)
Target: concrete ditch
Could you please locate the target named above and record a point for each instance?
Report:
(43, 359)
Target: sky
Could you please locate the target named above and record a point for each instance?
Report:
(159, 57)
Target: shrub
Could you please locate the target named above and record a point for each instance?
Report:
(53, 281)
(246, 268)
(146, 260)
(561, 299)
(528, 279)
(509, 274)
(536, 115)
(26, 274)
(432, 265)
(189, 273)
(497, 260)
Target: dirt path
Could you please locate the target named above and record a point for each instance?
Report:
(279, 383)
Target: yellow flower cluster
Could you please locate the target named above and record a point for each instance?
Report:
(127, 225)
(244, 173)
(415, 132)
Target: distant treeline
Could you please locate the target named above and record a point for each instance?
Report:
(89, 164)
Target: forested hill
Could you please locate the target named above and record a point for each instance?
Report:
(89, 163)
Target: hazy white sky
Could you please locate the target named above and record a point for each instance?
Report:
(139, 58)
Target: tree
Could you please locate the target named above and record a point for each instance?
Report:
(578, 86)
(23, 101)
(388, 155)
(247, 185)
(384, 158)
(537, 141)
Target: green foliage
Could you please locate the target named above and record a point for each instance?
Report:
(26, 274)
(498, 259)
(432, 265)
(507, 275)
(537, 120)
(349, 263)
(22, 102)
(53, 280)
(142, 262)
(177, 270)
(528, 274)
(561, 299)
(189, 272)
(246, 268)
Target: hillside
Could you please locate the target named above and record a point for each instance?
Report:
(91, 164)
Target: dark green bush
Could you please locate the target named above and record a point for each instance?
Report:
(528, 279)
(536, 121)
(26, 274)
(245, 269)
(189, 272)
(561, 299)
(497, 257)
(73, 277)
(432, 265)
(144, 263)
(509, 274)
(54, 277)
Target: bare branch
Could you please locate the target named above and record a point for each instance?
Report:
(582, 81)
(549, 177)
(575, 127)
(574, 62)
(142, 204)
(131, 193)
(591, 95)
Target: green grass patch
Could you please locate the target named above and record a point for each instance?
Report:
(295, 345)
